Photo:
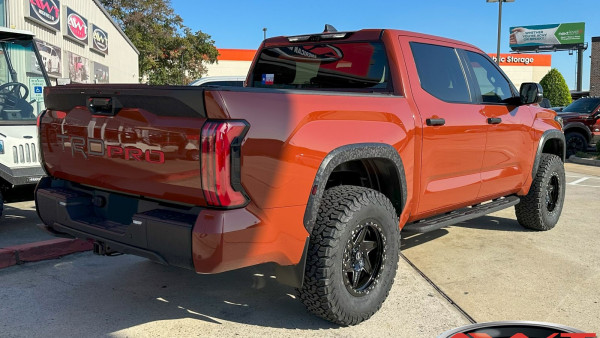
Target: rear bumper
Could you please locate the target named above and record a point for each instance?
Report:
(21, 176)
(200, 239)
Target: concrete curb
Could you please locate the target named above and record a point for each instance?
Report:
(584, 161)
(38, 251)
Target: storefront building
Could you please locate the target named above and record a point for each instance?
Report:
(231, 62)
(77, 40)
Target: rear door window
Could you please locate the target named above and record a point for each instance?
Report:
(349, 66)
(440, 72)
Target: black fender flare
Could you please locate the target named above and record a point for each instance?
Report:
(344, 154)
(549, 135)
(579, 126)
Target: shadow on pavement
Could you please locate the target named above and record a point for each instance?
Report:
(249, 296)
(493, 223)
(106, 295)
(20, 194)
(411, 240)
(19, 225)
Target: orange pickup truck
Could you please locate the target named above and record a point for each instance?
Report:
(338, 142)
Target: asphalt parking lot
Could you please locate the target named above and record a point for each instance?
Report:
(485, 269)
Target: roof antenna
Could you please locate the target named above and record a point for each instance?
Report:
(329, 29)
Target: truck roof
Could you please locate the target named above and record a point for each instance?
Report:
(10, 34)
(361, 35)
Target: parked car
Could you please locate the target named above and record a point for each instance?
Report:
(582, 124)
(339, 141)
(234, 81)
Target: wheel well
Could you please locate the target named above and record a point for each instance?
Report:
(554, 146)
(578, 130)
(375, 173)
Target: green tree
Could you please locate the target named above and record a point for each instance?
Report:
(170, 52)
(556, 89)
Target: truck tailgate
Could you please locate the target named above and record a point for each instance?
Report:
(133, 139)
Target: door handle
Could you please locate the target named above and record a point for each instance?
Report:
(435, 122)
(494, 120)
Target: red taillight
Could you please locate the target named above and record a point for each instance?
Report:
(220, 145)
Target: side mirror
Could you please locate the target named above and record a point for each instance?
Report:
(531, 93)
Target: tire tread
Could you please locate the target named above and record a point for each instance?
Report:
(318, 292)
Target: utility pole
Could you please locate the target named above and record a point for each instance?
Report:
(580, 50)
(499, 25)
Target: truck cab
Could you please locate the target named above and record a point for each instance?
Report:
(22, 80)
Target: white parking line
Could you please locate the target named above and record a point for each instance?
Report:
(584, 185)
(578, 181)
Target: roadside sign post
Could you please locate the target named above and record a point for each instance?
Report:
(499, 25)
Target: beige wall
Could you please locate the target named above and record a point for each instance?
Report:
(520, 74)
(122, 59)
(229, 68)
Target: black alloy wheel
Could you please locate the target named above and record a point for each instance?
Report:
(363, 257)
(552, 192)
(575, 142)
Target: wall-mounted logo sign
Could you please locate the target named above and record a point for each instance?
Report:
(77, 26)
(46, 12)
(99, 39)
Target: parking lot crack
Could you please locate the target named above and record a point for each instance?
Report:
(442, 293)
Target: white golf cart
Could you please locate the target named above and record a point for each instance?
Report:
(22, 79)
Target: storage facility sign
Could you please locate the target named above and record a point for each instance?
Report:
(77, 26)
(537, 60)
(99, 39)
(46, 12)
(547, 37)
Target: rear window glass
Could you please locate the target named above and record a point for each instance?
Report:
(351, 66)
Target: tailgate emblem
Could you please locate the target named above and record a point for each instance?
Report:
(96, 147)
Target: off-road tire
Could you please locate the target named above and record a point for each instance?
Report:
(344, 213)
(533, 211)
(575, 142)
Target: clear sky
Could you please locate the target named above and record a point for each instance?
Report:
(239, 23)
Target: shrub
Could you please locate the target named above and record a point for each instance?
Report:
(556, 89)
